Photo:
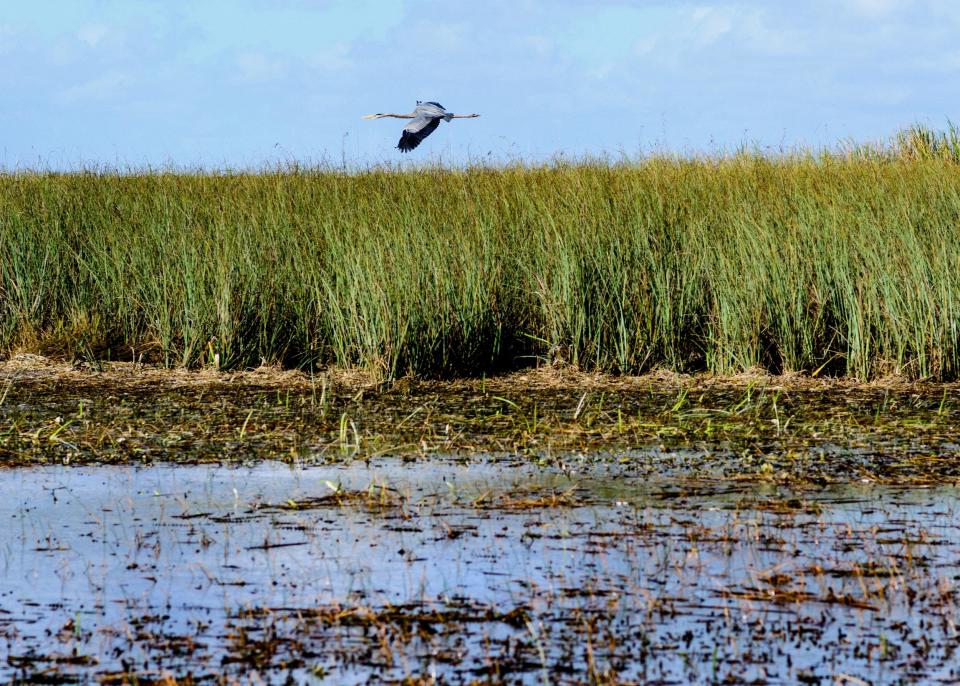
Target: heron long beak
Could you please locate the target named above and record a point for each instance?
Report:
(369, 116)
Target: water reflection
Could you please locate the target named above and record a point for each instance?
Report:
(449, 571)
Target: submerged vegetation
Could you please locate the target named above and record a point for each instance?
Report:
(182, 575)
(785, 430)
(839, 263)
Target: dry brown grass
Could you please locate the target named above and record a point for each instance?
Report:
(26, 366)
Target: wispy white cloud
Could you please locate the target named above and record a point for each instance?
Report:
(228, 79)
(106, 87)
(8, 36)
(254, 67)
(771, 36)
(876, 8)
(92, 34)
(336, 58)
(711, 23)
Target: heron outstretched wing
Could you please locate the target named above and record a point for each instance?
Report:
(413, 133)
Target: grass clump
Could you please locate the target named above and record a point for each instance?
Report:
(841, 263)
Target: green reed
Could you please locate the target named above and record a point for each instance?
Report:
(840, 263)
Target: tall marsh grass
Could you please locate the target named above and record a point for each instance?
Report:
(840, 263)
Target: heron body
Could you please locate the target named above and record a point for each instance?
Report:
(425, 119)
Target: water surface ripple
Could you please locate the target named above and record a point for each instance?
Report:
(453, 571)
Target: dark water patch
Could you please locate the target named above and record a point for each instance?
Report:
(454, 571)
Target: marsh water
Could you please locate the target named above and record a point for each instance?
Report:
(170, 527)
(457, 571)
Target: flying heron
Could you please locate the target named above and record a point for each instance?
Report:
(426, 117)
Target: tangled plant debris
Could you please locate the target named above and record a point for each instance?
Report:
(754, 427)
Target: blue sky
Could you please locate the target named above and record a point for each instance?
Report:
(244, 83)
